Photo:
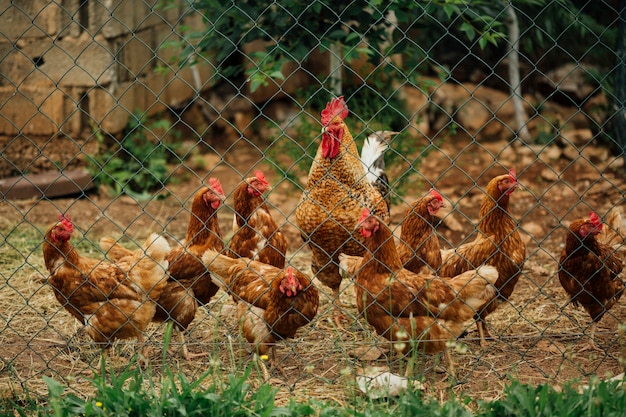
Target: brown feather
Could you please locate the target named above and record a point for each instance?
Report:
(113, 301)
(267, 314)
(419, 246)
(189, 283)
(256, 234)
(498, 243)
(589, 271)
(402, 305)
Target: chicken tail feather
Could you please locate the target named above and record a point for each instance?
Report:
(223, 268)
(113, 249)
(613, 233)
(476, 287)
(157, 247)
(373, 160)
(349, 265)
(147, 267)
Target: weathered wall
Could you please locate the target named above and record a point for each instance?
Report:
(66, 67)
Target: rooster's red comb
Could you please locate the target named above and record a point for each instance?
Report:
(513, 174)
(216, 186)
(595, 219)
(336, 107)
(434, 193)
(364, 215)
(259, 175)
(66, 222)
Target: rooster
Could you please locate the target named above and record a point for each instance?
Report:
(189, 283)
(338, 186)
(498, 243)
(589, 266)
(273, 303)
(255, 233)
(112, 300)
(412, 310)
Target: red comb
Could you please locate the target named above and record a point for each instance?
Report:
(436, 194)
(216, 185)
(364, 214)
(336, 107)
(66, 222)
(259, 174)
(595, 219)
(513, 174)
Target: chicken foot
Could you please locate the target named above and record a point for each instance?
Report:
(483, 333)
(185, 350)
(592, 344)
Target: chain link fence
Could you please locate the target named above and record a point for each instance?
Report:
(116, 113)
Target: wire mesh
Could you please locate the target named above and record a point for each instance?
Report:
(101, 123)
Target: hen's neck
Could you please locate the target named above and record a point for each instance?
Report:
(245, 204)
(53, 251)
(417, 226)
(381, 255)
(577, 246)
(203, 225)
(494, 214)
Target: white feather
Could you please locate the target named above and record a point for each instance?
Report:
(373, 148)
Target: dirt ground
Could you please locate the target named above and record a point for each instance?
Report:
(537, 337)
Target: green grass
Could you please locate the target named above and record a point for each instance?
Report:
(134, 391)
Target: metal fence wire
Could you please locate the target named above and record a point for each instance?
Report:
(116, 113)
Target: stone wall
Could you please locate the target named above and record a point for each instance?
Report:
(69, 65)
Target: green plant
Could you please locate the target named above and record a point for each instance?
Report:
(601, 398)
(135, 165)
(136, 392)
(292, 30)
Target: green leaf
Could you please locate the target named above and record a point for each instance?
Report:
(468, 30)
(55, 389)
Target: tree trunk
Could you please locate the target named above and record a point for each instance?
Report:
(336, 62)
(521, 118)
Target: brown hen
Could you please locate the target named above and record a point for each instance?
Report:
(418, 246)
(589, 268)
(421, 311)
(189, 283)
(497, 243)
(273, 303)
(113, 300)
(255, 233)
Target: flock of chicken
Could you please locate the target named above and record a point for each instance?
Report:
(411, 292)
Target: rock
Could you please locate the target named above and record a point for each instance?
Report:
(570, 80)
(548, 174)
(49, 184)
(416, 101)
(595, 154)
(448, 218)
(549, 154)
(376, 383)
(577, 137)
(532, 231)
(571, 152)
(368, 353)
